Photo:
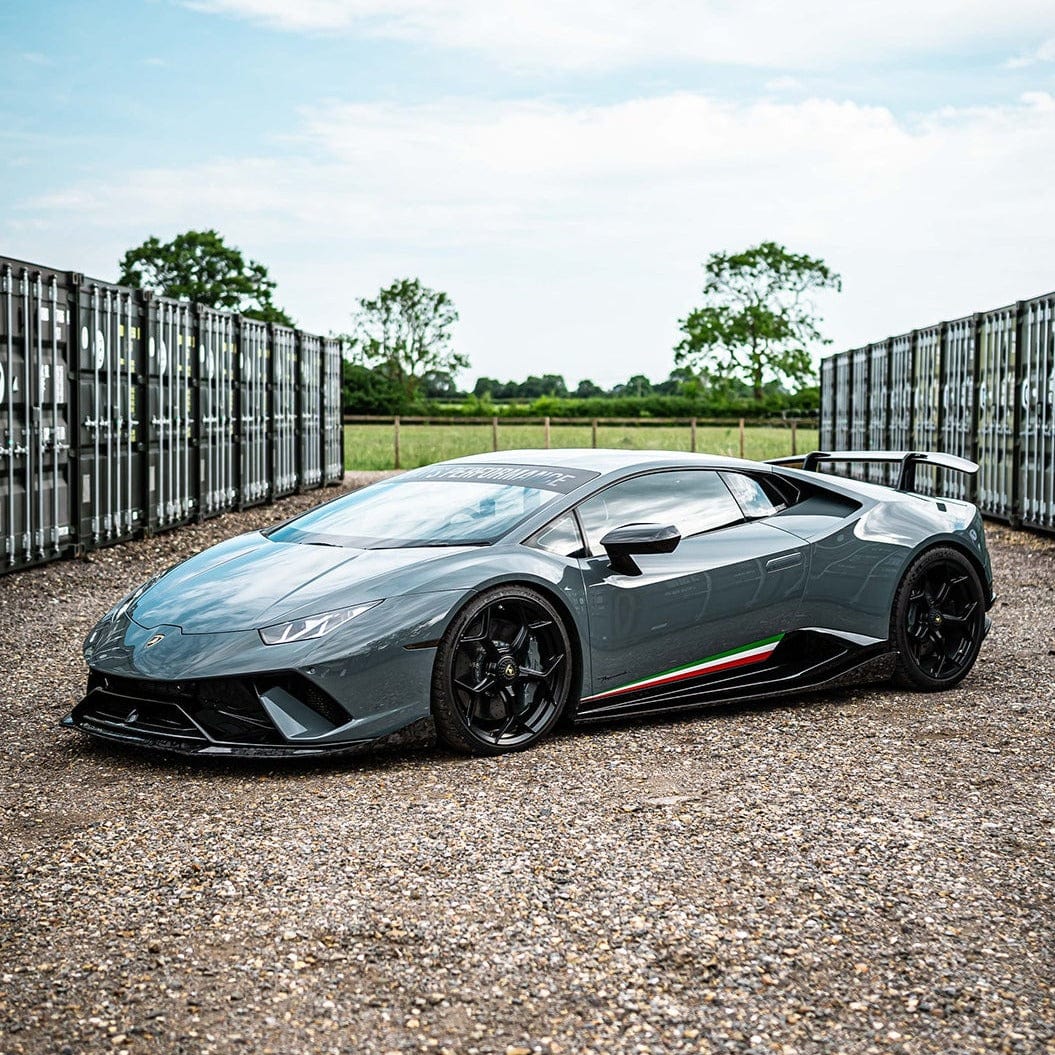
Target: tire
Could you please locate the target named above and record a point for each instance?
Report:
(503, 672)
(938, 621)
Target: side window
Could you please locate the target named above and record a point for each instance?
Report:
(561, 537)
(693, 500)
(751, 496)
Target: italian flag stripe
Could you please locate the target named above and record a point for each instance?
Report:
(743, 656)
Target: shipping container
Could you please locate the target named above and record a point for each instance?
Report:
(981, 387)
(36, 524)
(283, 417)
(995, 426)
(332, 416)
(125, 413)
(254, 385)
(1037, 426)
(309, 411)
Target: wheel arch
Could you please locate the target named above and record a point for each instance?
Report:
(909, 672)
(574, 636)
(547, 590)
(953, 543)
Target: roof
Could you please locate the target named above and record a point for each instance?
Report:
(603, 460)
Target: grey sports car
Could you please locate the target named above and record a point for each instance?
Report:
(496, 595)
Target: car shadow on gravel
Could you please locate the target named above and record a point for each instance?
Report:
(715, 712)
(129, 758)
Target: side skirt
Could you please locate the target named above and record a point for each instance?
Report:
(847, 667)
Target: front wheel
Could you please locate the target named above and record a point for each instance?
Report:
(503, 672)
(938, 621)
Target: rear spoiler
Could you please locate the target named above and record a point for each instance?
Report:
(908, 459)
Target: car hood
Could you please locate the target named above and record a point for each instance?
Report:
(250, 582)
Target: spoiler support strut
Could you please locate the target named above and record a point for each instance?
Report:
(908, 459)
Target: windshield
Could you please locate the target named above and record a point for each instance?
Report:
(435, 506)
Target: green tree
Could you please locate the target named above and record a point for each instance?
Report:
(680, 382)
(439, 384)
(758, 317)
(368, 391)
(405, 332)
(587, 389)
(533, 387)
(199, 266)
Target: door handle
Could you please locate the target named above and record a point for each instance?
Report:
(789, 560)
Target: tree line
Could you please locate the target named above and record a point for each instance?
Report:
(744, 350)
(681, 394)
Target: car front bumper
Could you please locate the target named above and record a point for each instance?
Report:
(281, 714)
(230, 694)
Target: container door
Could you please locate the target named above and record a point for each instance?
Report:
(35, 515)
(902, 371)
(997, 362)
(283, 411)
(172, 484)
(109, 335)
(843, 409)
(309, 411)
(216, 427)
(878, 409)
(926, 419)
(826, 439)
(859, 410)
(957, 389)
(253, 416)
(332, 417)
(1037, 431)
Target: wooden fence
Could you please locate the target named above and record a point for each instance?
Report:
(496, 422)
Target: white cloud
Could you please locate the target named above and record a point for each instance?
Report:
(784, 84)
(1044, 53)
(571, 237)
(609, 33)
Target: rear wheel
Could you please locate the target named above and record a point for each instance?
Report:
(503, 672)
(938, 621)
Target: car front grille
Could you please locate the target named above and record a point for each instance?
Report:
(144, 717)
(213, 710)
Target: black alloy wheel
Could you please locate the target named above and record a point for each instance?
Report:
(938, 620)
(503, 672)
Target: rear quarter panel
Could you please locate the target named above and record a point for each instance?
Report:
(858, 561)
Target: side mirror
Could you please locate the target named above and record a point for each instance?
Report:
(622, 543)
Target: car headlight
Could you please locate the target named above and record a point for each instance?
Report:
(312, 626)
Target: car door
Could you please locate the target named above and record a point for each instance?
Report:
(722, 599)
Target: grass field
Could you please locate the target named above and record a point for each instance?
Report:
(371, 446)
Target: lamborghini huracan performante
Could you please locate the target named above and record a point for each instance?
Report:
(491, 597)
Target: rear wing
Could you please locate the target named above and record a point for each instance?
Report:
(908, 459)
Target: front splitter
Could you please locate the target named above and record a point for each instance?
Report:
(420, 733)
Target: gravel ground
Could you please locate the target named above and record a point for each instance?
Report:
(867, 871)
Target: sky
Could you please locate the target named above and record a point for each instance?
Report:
(561, 170)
